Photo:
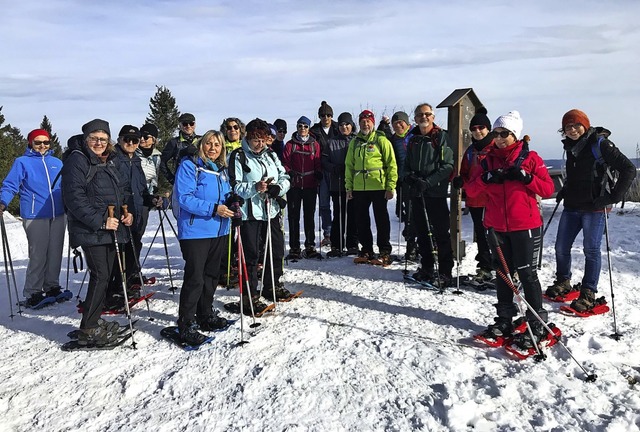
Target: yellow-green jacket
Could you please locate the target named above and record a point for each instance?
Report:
(370, 163)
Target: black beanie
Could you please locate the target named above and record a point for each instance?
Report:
(95, 125)
(325, 108)
(280, 125)
(480, 119)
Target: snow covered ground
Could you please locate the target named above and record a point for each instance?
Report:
(360, 350)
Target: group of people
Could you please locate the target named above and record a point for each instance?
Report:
(230, 188)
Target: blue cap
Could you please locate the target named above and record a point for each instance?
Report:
(304, 120)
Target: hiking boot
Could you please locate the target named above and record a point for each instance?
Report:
(355, 250)
(482, 276)
(326, 241)
(559, 288)
(502, 327)
(109, 326)
(212, 322)
(258, 305)
(38, 300)
(311, 253)
(523, 340)
(97, 336)
(334, 253)
(385, 259)
(423, 276)
(585, 302)
(281, 292)
(294, 254)
(189, 333)
(363, 257)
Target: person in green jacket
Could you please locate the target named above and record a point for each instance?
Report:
(427, 167)
(371, 174)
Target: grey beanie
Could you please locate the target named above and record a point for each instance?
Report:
(401, 115)
(95, 125)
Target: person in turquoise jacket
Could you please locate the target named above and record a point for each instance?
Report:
(371, 174)
(258, 177)
(33, 175)
(200, 191)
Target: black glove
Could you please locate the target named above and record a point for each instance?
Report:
(420, 185)
(603, 201)
(234, 203)
(518, 174)
(318, 175)
(273, 191)
(410, 179)
(160, 202)
(457, 182)
(560, 195)
(495, 176)
(281, 202)
(2, 208)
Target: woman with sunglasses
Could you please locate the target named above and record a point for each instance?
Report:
(512, 177)
(42, 213)
(234, 132)
(585, 200)
(481, 140)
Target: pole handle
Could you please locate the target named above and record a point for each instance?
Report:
(111, 210)
(125, 210)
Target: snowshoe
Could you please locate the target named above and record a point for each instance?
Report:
(599, 307)
(353, 251)
(334, 253)
(213, 323)
(312, 253)
(294, 255)
(562, 291)
(75, 345)
(522, 346)
(121, 329)
(363, 258)
(470, 281)
(280, 290)
(38, 301)
(259, 308)
(59, 295)
(383, 260)
(172, 334)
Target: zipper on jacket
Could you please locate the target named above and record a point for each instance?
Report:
(53, 204)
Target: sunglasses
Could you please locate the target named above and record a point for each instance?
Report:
(343, 124)
(303, 126)
(572, 126)
(282, 131)
(185, 124)
(503, 134)
(146, 137)
(39, 143)
(477, 128)
(326, 115)
(233, 127)
(131, 140)
(424, 114)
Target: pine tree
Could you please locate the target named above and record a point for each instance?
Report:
(164, 113)
(12, 145)
(55, 142)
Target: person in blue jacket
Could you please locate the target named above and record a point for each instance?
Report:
(200, 191)
(32, 176)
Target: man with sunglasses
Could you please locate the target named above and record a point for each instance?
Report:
(324, 130)
(171, 153)
(481, 139)
(42, 211)
(427, 167)
(281, 132)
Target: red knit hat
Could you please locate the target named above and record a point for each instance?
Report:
(575, 116)
(367, 114)
(37, 132)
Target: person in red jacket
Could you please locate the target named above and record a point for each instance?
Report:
(301, 159)
(512, 176)
(481, 140)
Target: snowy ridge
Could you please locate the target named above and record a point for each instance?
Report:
(360, 350)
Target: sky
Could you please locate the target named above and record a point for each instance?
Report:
(74, 60)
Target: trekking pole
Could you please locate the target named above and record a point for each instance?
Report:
(505, 275)
(8, 256)
(229, 260)
(399, 204)
(434, 251)
(264, 258)
(82, 284)
(125, 212)
(406, 229)
(168, 219)
(172, 288)
(110, 213)
(615, 335)
(68, 265)
(341, 224)
(546, 227)
(458, 239)
(242, 264)
(270, 250)
(152, 242)
(6, 272)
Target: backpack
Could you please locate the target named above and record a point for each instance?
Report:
(602, 169)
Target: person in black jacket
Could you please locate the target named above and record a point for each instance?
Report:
(91, 182)
(171, 152)
(587, 195)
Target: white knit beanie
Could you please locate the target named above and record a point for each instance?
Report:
(511, 122)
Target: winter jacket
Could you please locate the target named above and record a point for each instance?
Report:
(150, 166)
(323, 137)
(399, 143)
(302, 161)
(278, 148)
(247, 168)
(471, 167)
(583, 184)
(430, 158)
(131, 169)
(198, 190)
(171, 153)
(232, 145)
(32, 175)
(512, 205)
(88, 187)
(370, 163)
(333, 160)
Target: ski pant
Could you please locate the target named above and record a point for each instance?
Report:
(324, 205)
(201, 272)
(438, 213)
(251, 234)
(46, 241)
(100, 261)
(402, 211)
(304, 199)
(343, 217)
(592, 225)
(520, 250)
(362, 201)
(484, 251)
